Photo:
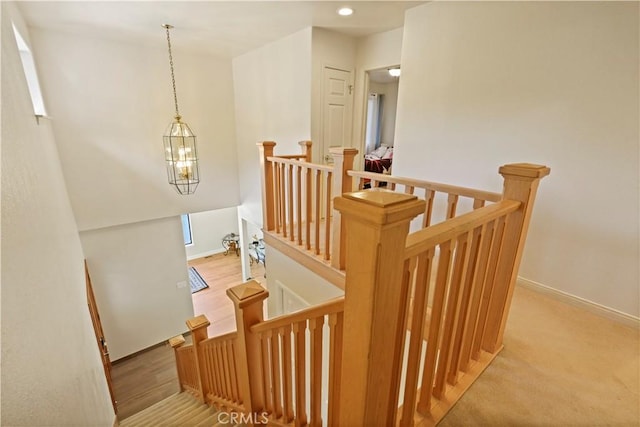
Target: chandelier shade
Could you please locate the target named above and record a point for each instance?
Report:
(181, 154)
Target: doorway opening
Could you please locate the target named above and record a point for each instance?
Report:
(381, 91)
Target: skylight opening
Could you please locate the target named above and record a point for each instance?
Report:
(29, 67)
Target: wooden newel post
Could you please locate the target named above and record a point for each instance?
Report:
(175, 343)
(306, 150)
(343, 158)
(520, 183)
(375, 303)
(248, 301)
(198, 326)
(266, 180)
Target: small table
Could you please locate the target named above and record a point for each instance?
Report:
(230, 243)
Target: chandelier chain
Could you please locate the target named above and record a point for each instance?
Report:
(173, 78)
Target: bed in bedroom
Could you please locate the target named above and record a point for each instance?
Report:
(379, 160)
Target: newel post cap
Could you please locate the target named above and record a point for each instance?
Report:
(304, 143)
(524, 171)
(266, 143)
(379, 206)
(197, 322)
(176, 341)
(247, 293)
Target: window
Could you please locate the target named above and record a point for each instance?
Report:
(29, 67)
(186, 229)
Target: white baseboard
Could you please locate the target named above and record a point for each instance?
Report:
(590, 306)
(204, 254)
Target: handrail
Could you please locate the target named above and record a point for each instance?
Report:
(292, 156)
(434, 186)
(290, 161)
(427, 238)
(335, 305)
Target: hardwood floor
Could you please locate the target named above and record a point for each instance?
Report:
(147, 377)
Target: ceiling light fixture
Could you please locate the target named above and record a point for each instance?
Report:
(181, 154)
(345, 11)
(394, 72)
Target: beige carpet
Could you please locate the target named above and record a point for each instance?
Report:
(561, 366)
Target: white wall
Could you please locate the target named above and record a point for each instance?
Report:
(555, 83)
(51, 368)
(208, 229)
(135, 269)
(310, 287)
(389, 106)
(272, 87)
(329, 49)
(112, 102)
(372, 52)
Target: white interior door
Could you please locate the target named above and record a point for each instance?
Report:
(337, 110)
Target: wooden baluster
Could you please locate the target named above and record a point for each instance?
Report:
(227, 372)
(287, 381)
(520, 183)
(391, 186)
(478, 203)
(299, 340)
(276, 396)
(266, 370)
(266, 178)
(175, 343)
(235, 396)
(486, 238)
(342, 183)
(428, 374)
(219, 376)
(198, 327)
(327, 220)
(318, 204)
(336, 321)
(487, 288)
(420, 302)
(463, 324)
(308, 207)
(211, 369)
(409, 189)
(283, 199)
(290, 201)
(375, 303)
(277, 216)
(452, 204)
(452, 313)
(315, 350)
(429, 195)
(248, 300)
(299, 202)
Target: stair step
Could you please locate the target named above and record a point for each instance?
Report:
(178, 410)
(154, 409)
(167, 417)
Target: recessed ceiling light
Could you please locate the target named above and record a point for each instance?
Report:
(345, 11)
(395, 72)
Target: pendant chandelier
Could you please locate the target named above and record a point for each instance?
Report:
(181, 154)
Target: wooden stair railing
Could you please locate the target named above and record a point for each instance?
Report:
(389, 272)
(297, 200)
(471, 263)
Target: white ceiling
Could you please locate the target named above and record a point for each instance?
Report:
(224, 28)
